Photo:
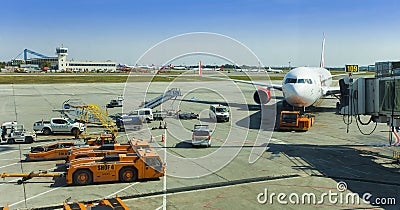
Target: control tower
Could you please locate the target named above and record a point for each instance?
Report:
(62, 53)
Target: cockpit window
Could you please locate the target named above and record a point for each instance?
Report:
(290, 80)
(302, 81)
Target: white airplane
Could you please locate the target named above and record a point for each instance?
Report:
(301, 86)
(274, 70)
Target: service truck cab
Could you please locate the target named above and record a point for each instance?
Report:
(59, 125)
(12, 132)
(219, 113)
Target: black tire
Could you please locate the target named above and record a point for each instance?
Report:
(128, 174)
(29, 139)
(82, 177)
(11, 141)
(75, 131)
(46, 131)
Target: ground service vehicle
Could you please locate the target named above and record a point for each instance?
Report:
(59, 125)
(12, 132)
(295, 121)
(146, 113)
(56, 151)
(188, 116)
(60, 150)
(219, 113)
(116, 102)
(143, 164)
(4, 208)
(160, 115)
(107, 149)
(109, 203)
(201, 136)
(128, 122)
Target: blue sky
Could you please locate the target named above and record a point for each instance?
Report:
(277, 31)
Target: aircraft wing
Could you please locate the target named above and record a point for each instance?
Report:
(340, 76)
(277, 87)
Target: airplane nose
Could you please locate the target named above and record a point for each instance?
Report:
(297, 95)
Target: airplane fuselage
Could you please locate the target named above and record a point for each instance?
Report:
(302, 86)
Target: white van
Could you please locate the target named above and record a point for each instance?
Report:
(145, 113)
(219, 113)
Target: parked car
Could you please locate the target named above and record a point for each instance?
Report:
(188, 116)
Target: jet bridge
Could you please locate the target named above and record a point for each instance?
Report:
(377, 97)
(171, 93)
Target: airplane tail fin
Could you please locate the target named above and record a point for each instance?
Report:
(322, 64)
(200, 69)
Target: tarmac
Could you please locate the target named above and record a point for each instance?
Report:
(248, 166)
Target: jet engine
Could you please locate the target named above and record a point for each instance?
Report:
(262, 96)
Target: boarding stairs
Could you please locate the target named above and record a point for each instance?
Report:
(170, 94)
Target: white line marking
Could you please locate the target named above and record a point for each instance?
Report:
(3, 153)
(9, 181)
(36, 195)
(8, 165)
(121, 190)
(10, 159)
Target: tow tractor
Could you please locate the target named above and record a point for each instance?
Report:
(295, 121)
(143, 164)
(13, 132)
(109, 203)
(59, 150)
(108, 149)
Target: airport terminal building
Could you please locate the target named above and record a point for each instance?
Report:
(82, 66)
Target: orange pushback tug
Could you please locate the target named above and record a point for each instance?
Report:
(108, 149)
(144, 163)
(111, 203)
(59, 150)
(295, 121)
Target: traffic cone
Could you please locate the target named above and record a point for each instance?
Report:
(162, 138)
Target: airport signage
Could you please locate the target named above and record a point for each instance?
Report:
(351, 68)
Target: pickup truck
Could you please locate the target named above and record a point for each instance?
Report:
(201, 136)
(59, 125)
